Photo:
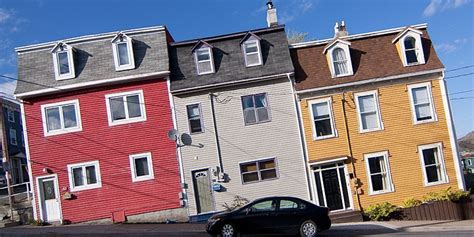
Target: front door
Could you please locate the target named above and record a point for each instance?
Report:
(202, 191)
(49, 199)
(331, 186)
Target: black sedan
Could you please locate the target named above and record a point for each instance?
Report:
(271, 215)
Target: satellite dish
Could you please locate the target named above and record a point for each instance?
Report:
(173, 134)
(186, 139)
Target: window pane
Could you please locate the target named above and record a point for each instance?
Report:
(369, 120)
(430, 156)
(377, 182)
(264, 206)
(123, 54)
(251, 47)
(409, 43)
(287, 204)
(63, 63)
(193, 111)
(250, 116)
(319, 189)
(376, 164)
(195, 125)
(133, 106)
(420, 95)
(423, 112)
(411, 56)
(204, 67)
(432, 174)
(262, 114)
(141, 167)
(77, 177)
(367, 103)
(203, 54)
(344, 185)
(340, 61)
(250, 177)
(117, 108)
(266, 164)
(69, 115)
(323, 127)
(91, 175)
(247, 102)
(248, 167)
(268, 174)
(320, 110)
(253, 59)
(53, 119)
(260, 101)
(48, 190)
(410, 50)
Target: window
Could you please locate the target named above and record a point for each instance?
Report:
(255, 108)
(409, 46)
(11, 115)
(63, 61)
(13, 138)
(291, 205)
(122, 47)
(252, 53)
(204, 60)
(422, 103)
(378, 170)
(84, 176)
(410, 50)
(59, 118)
(323, 122)
(141, 167)
(432, 162)
(195, 118)
(258, 170)
(264, 206)
(469, 162)
(125, 107)
(340, 62)
(339, 58)
(369, 112)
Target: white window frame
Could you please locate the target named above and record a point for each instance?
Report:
(13, 137)
(379, 115)
(388, 174)
(211, 60)
(11, 115)
(412, 103)
(127, 40)
(62, 130)
(259, 52)
(133, 170)
(418, 49)
(331, 117)
(126, 120)
(257, 161)
(346, 49)
(442, 167)
(200, 118)
(84, 176)
(70, 56)
(255, 109)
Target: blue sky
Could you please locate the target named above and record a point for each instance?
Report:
(450, 24)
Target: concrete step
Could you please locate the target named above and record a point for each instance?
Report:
(7, 223)
(346, 216)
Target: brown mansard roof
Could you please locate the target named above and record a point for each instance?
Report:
(372, 57)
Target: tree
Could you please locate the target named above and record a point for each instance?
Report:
(296, 36)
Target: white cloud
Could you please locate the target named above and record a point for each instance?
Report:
(442, 5)
(297, 8)
(449, 47)
(4, 15)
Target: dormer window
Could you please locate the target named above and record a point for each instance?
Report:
(410, 49)
(122, 47)
(63, 60)
(339, 58)
(203, 58)
(251, 49)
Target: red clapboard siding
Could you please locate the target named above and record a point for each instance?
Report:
(111, 146)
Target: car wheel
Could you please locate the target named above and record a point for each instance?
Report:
(308, 229)
(228, 230)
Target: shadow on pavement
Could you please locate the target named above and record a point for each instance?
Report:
(358, 230)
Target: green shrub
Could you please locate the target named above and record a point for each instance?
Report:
(236, 203)
(411, 202)
(446, 195)
(381, 211)
(36, 223)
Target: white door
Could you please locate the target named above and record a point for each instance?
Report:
(49, 199)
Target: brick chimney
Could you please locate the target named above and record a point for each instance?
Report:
(271, 14)
(340, 30)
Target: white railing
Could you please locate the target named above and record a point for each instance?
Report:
(28, 190)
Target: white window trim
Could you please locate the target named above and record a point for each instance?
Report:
(11, 115)
(255, 108)
(331, 117)
(200, 115)
(418, 46)
(346, 50)
(70, 60)
(259, 52)
(385, 155)
(131, 59)
(62, 130)
(133, 170)
(85, 186)
(13, 135)
(211, 60)
(444, 175)
(379, 115)
(412, 103)
(277, 170)
(126, 120)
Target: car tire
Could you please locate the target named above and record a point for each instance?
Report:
(228, 230)
(308, 229)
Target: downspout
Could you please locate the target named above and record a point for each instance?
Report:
(216, 135)
(349, 145)
(302, 137)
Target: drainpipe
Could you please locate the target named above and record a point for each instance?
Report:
(216, 134)
(349, 145)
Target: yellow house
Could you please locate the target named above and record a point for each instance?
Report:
(376, 118)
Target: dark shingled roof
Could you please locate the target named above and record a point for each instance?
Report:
(372, 57)
(229, 60)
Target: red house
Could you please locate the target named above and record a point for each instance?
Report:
(96, 116)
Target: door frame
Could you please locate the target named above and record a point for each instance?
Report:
(56, 188)
(348, 184)
(213, 198)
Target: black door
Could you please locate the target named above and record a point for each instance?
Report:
(332, 189)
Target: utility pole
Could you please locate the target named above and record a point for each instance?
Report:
(6, 157)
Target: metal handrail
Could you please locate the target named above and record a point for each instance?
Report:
(28, 190)
(27, 183)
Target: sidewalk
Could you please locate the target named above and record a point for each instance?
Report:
(429, 226)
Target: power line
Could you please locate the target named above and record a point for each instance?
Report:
(459, 68)
(460, 75)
